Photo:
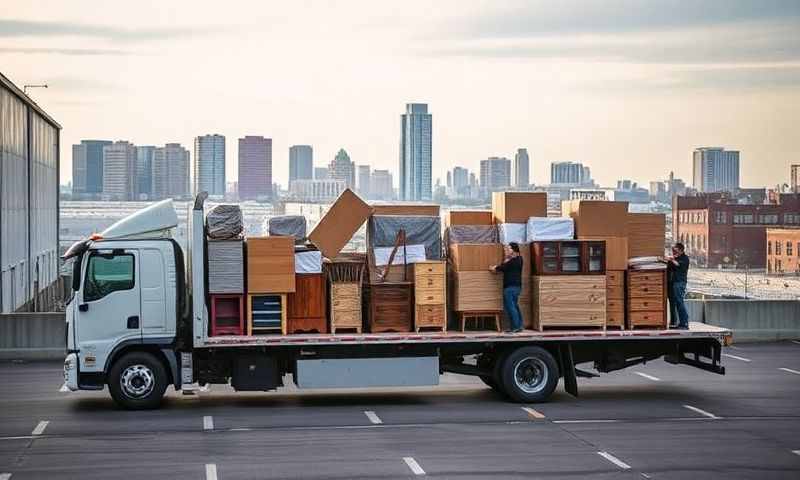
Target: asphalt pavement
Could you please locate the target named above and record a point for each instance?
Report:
(650, 421)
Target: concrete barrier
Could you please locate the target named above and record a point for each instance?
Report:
(32, 336)
(750, 320)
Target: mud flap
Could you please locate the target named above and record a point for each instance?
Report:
(568, 369)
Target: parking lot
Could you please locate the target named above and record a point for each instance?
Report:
(649, 421)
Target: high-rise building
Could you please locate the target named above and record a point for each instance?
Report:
(364, 181)
(569, 173)
(316, 190)
(301, 162)
(341, 168)
(460, 178)
(209, 164)
(794, 180)
(473, 182)
(449, 179)
(320, 173)
(715, 170)
(381, 186)
(170, 171)
(119, 170)
(255, 168)
(144, 172)
(495, 173)
(521, 169)
(416, 127)
(87, 167)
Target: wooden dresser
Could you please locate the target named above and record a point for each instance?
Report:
(647, 299)
(391, 307)
(430, 296)
(306, 310)
(615, 298)
(569, 301)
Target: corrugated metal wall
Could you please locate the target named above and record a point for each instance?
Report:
(28, 202)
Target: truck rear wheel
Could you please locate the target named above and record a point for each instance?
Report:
(529, 375)
(137, 381)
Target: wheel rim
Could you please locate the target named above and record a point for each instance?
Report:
(530, 375)
(137, 381)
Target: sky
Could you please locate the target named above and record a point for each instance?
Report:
(627, 87)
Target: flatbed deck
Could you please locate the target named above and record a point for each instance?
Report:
(696, 330)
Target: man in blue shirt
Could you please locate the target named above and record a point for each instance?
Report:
(677, 271)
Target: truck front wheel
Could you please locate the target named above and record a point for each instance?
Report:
(529, 374)
(137, 381)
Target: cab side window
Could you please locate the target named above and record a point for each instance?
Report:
(107, 273)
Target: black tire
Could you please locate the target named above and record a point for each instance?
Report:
(137, 381)
(529, 375)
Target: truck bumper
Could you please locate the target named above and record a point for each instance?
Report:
(71, 372)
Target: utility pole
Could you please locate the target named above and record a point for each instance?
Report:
(26, 87)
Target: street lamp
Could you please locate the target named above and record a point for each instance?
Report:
(26, 87)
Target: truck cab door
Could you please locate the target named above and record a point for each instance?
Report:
(109, 307)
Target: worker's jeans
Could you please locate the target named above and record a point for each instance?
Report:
(677, 301)
(511, 305)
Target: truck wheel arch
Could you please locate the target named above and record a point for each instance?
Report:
(162, 351)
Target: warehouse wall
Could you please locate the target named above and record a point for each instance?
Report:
(28, 202)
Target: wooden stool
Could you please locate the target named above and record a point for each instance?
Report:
(464, 316)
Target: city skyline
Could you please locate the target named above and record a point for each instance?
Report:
(592, 85)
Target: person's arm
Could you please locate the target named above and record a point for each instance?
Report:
(500, 268)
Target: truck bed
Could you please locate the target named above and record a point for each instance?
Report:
(696, 330)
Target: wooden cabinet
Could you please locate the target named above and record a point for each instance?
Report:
(569, 257)
(227, 315)
(345, 306)
(615, 298)
(430, 295)
(569, 301)
(646, 299)
(390, 307)
(266, 314)
(306, 308)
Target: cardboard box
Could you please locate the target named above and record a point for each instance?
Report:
(475, 257)
(598, 218)
(270, 265)
(518, 207)
(646, 234)
(616, 251)
(469, 217)
(477, 292)
(406, 209)
(337, 227)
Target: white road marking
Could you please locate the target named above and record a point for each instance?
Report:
(5, 476)
(736, 357)
(585, 421)
(372, 417)
(616, 461)
(796, 452)
(208, 422)
(40, 427)
(649, 377)
(789, 370)
(533, 413)
(211, 471)
(414, 466)
(701, 412)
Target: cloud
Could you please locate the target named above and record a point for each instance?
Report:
(30, 28)
(64, 51)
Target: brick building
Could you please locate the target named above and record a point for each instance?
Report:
(783, 250)
(717, 230)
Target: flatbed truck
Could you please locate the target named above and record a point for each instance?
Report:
(138, 318)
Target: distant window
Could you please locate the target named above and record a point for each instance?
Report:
(798, 251)
(743, 218)
(778, 266)
(777, 247)
(769, 247)
(768, 219)
(788, 248)
(720, 217)
(791, 218)
(106, 274)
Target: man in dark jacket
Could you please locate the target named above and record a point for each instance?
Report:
(677, 271)
(512, 284)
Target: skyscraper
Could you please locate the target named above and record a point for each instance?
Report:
(521, 168)
(209, 164)
(416, 128)
(569, 173)
(495, 173)
(364, 180)
(170, 171)
(119, 170)
(715, 169)
(301, 162)
(341, 168)
(320, 173)
(460, 178)
(794, 179)
(381, 186)
(87, 167)
(144, 172)
(255, 168)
